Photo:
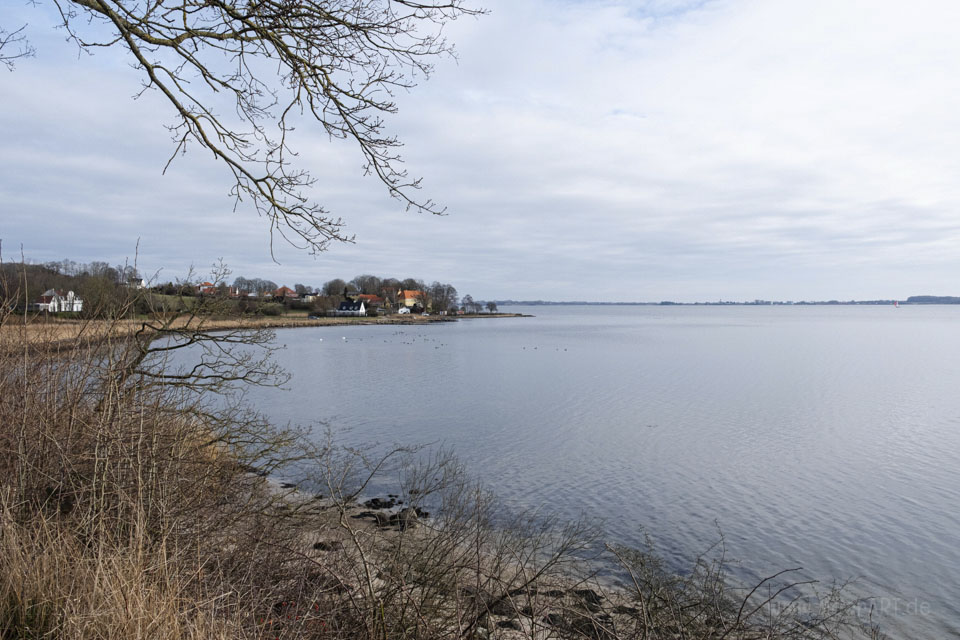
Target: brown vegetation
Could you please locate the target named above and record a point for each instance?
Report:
(136, 503)
(47, 332)
(40, 331)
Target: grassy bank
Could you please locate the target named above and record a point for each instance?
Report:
(136, 502)
(53, 331)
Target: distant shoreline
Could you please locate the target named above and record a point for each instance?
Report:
(912, 301)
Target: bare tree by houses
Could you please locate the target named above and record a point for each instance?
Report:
(388, 289)
(469, 305)
(443, 297)
(334, 287)
(367, 284)
(413, 284)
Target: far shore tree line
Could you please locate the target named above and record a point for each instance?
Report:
(106, 289)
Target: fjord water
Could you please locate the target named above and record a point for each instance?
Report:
(819, 437)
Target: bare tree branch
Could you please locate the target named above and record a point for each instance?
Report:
(8, 40)
(273, 63)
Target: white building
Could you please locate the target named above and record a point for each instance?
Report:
(351, 308)
(54, 301)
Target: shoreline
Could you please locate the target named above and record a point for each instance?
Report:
(54, 333)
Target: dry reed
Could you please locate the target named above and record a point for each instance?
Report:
(133, 504)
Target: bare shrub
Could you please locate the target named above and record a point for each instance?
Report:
(136, 502)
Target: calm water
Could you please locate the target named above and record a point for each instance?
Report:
(821, 437)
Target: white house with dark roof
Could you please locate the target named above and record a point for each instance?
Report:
(351, 308)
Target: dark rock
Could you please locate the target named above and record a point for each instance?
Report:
(323, 580)
(509, 624)
(590, 627)
(502, 607)
(626, 611)
(554, 620)
(335, 545)
(382, 519)
(588, 595)
(377, 503)
(471, 591)
(288, 485)
(553, 593)
(405, 519)
(249, 468)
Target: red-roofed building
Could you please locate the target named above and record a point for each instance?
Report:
(408, 298)
(370, 300)
(286, 293)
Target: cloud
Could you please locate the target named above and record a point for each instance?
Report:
(632, 150)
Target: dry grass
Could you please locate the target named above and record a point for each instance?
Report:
(133, 505)
(53, 331)
(55, 586)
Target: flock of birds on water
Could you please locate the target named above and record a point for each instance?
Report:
(408, 339)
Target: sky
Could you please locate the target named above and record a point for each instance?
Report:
(639, 150)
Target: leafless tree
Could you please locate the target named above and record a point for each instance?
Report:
(273, 62)
(335, 287)
(13, 46)
(443, 297)
(470, 305)
(367, 284)
(413, 284)
(389, 288)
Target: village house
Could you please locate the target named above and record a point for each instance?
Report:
(53, 301)
(350, 308)
(210, 289)
(286, 293)
(371, 301)
(410, 299)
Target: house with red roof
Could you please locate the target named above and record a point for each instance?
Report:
(371, 301)
(207, 289)
(286, 293)
(409, 298)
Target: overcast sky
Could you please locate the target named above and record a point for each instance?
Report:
(622, 151)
